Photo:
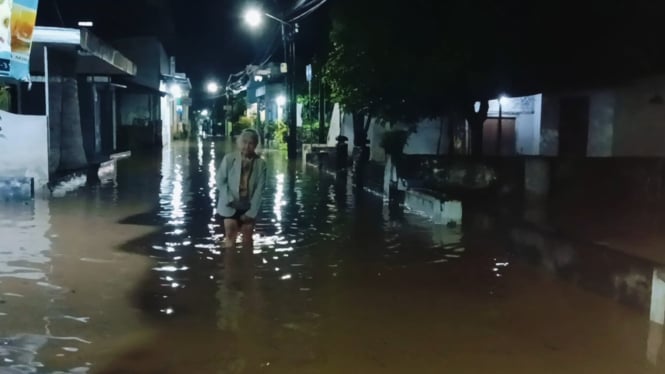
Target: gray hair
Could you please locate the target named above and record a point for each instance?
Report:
(252, 134)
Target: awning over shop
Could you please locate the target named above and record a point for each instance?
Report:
(178, 78)
(94, 57)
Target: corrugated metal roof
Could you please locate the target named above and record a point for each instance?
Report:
(93, 55)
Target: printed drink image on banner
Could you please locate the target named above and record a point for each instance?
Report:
(5, 36)
(24, 16)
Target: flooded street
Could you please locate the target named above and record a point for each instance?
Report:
(130, 277)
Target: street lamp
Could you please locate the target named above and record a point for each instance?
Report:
(254, 18)
(212, 88)
(205, 112)
(281, 100)
(176, 91)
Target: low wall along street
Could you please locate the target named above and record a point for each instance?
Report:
(24, 148)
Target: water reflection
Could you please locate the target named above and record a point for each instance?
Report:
(25, 247)
(336, 282)
(24, 263)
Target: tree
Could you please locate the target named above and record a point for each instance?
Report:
(403, 61)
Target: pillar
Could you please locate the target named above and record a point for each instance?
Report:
(658, 296)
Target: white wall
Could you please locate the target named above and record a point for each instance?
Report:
(24, 147)
(375, 136)
(167, 120)
(527, 112)
(422, 142)
(431, 136)
(335, 125)
(549, 127)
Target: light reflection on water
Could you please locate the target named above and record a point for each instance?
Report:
(300, 213)
(37, 324)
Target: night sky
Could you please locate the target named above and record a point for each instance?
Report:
(208, 37)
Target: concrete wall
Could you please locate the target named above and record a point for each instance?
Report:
(549, 126)
(640, 120)
(335, 125)
(527, 112)
(375, 136)
(601, 124)
(441, 212)
(24, 145)
(423, 142)
(137, 106)
(625, 121)
(166, 106)
(150, 58)
(430, 138)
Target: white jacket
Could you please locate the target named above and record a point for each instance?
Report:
(228, 184)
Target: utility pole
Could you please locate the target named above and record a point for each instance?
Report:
(293, 103)
(322, 113)
(310, 112)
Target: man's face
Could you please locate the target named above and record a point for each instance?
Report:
(247, 145)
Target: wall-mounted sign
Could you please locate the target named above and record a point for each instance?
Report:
(17, 24)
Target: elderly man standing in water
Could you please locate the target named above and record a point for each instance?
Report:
(240, 181)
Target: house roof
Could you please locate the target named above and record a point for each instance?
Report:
(93, 56)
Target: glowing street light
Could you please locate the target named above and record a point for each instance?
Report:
(176, 91)
(212, 87)
(504, 100)
(253, 17)
(205, 112)
(281, 100)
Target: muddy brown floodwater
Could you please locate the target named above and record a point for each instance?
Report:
(129, 277)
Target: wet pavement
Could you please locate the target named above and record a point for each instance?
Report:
(129, 277)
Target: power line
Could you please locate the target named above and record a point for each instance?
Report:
(270, 51)
(237, 85)
(303, 5)
(59, 14)
(308, 12)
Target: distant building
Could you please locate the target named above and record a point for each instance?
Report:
(625, 119)
(266, 94)
(82, 95)
(154, 106)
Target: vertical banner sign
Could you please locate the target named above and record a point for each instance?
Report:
(5, 37)
(17, 24)
(24, 16)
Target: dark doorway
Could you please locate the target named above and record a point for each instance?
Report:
(574, 127)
